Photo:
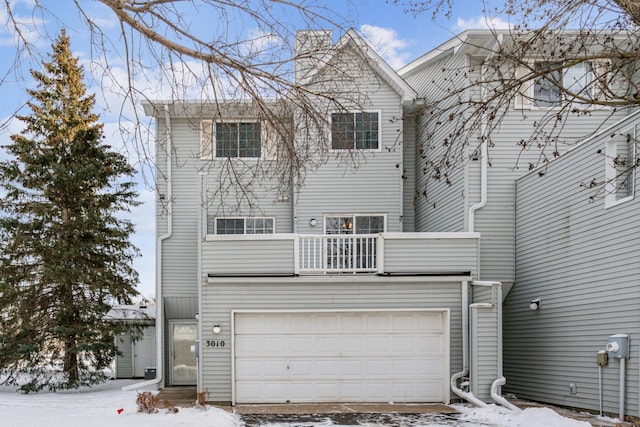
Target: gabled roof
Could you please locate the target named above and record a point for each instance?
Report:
(375, 61)
(469, 40)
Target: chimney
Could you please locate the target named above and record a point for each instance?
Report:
(310, 46)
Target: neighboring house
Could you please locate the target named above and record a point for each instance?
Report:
(137, 358)
(571, 256)
(325, 292)
(352, 285)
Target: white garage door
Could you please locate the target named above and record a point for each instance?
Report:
(377, 356)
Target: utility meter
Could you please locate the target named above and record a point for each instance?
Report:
(618, 346)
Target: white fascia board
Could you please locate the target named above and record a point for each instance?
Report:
(474, 41)
(346, 279)
(449, 47)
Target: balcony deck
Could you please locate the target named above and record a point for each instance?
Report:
(296, 254)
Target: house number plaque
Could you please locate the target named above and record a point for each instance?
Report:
(214, 343)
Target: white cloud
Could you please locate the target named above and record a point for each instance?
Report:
(258, 42)
(481, 22)
(22, 26)
(388, 44)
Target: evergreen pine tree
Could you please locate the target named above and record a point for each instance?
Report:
(65, 254)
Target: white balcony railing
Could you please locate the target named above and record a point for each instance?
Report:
(338, 253)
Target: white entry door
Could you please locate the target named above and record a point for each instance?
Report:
(183, 340)
(360, 356)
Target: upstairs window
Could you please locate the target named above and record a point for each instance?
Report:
(244, 225)
(237, 139)
(546, 84)
(354, 131)
(547, 88)
(230, 139)
(620, 167)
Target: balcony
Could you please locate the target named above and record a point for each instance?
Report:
(295, 254)
(338, 253)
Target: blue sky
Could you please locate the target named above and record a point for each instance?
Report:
(399, 37)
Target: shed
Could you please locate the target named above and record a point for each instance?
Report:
(137, 358)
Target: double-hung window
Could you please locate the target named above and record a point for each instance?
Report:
(355, 131)
(229, 139)
(241, 225)
(237, 139)
(554, 82)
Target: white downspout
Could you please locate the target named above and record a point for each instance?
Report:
(484, 161)
(162, 238)
(501, 380)
(484, 153)
(402, 181)
(466, 395)
(201, 233)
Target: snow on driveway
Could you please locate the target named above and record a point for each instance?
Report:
(106, 405)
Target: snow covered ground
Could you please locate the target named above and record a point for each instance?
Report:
(107, 405)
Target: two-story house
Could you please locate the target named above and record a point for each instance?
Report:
(321, 290)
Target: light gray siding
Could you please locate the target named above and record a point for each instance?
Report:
(358, 181)
(403, 253)
(483, 328)
(250, 256)
(443, 207)
(179, 252)
(431, 253)
(439, 205)
(337, 293)
(408, 172)
(581, 260)
(223, 196)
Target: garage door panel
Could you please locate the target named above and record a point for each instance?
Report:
(352, 323)
(301, 345)
(340, 356)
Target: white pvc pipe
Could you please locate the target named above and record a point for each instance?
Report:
(501, 380)
(468, 396)
(159, 303)
(622, 385)
(600, 387)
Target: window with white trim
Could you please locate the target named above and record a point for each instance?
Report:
(229, 139)
(620, 163)
(355, 131)
(240, 225)
(552, 79)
